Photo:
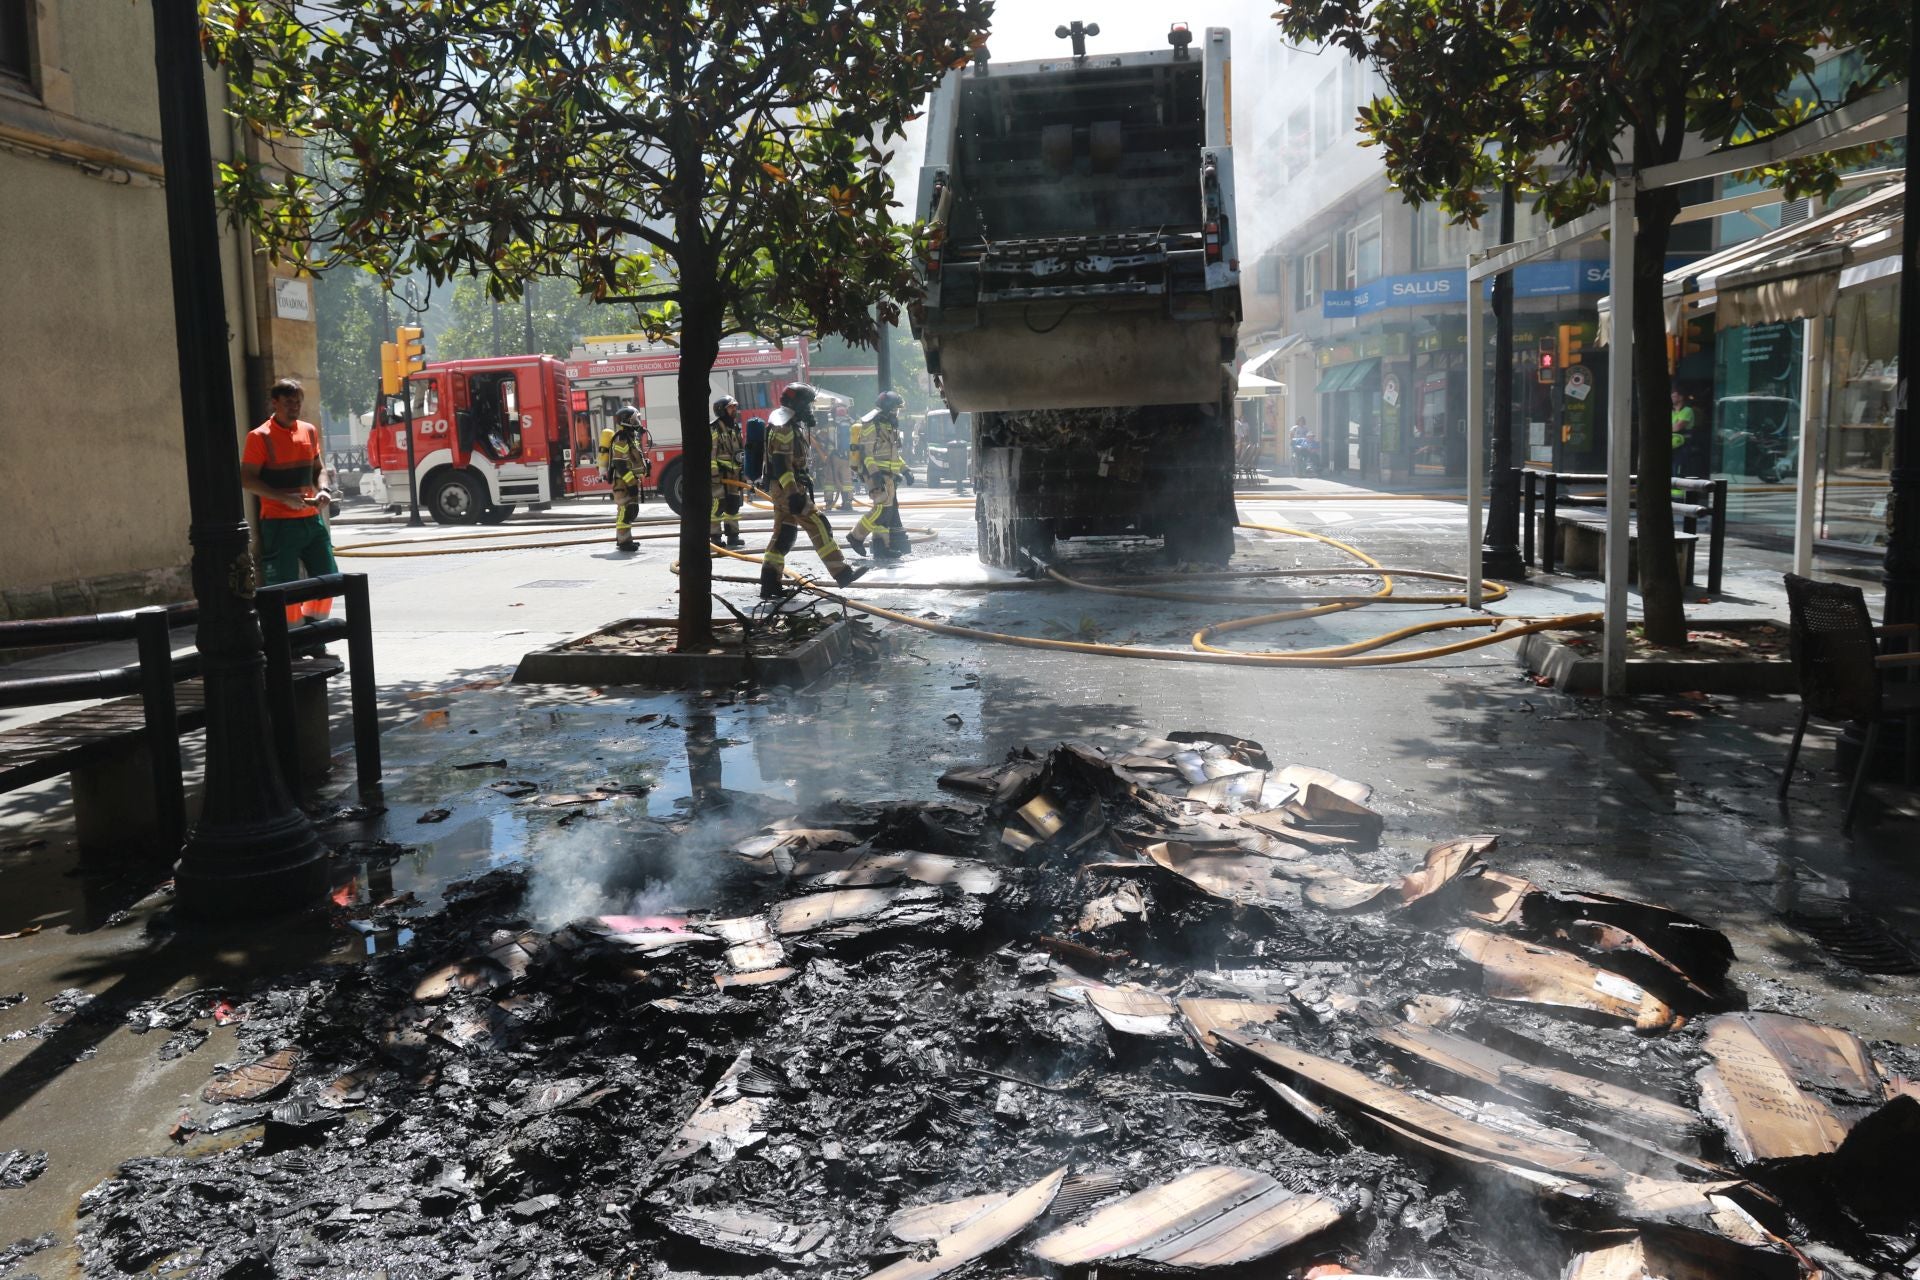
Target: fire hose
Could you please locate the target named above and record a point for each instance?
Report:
(1355, 654)
(1359, 653)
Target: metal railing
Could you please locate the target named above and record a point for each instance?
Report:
(1543, 491)
(159, 668)
(281, 641)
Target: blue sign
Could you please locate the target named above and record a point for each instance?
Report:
(1430, 288)
(1422, 289)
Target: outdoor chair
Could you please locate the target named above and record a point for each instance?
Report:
(1843, 676)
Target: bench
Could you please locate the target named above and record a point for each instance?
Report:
(124, 754)
(1543, 494)
(1583, 544)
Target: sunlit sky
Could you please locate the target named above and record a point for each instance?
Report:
(1023, 29)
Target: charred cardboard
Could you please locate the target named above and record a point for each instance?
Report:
(1443, 865)
(1783, 1089)
(1217, 1216)
(1529, 974)
(980, 1234)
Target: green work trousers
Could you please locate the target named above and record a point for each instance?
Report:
(293, 549)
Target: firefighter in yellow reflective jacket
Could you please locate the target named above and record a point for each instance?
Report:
(790, 486)
(623, 460)
(724, 519)
(879, 456)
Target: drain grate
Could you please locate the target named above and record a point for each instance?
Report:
(1858, 941)
(554, 584)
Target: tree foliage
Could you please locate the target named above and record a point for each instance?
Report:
(720, 161)
(1561, 96)
(561, 317)
(347, 315)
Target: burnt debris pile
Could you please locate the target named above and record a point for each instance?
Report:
(1170, 1007)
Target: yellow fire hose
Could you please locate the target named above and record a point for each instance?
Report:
(1335, 656)
(1358, 653)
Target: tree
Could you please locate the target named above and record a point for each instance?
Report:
(1560, 96)
(562, 315)
(718, 163)
(347, 313)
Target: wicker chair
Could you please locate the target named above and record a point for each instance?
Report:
(1837, 663)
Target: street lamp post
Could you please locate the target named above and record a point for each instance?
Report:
(253, 851)
(1501, 554)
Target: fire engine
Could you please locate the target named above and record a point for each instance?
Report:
(609, 372)
(483, 438)
(490, 435)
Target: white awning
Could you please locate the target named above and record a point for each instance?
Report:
(1252, 367)
(1795, 273)
(1255, 384)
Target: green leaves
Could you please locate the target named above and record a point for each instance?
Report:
(730, 149)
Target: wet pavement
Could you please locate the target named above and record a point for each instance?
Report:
(1667, 799)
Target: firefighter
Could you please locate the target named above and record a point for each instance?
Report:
(791, 487)
(883, 465)
(829, 445)
(623, 459)
(725, 471)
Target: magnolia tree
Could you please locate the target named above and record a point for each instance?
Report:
(718, 164)
(1559, 96)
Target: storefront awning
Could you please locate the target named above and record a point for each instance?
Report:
(1258, 363)
(1252, 384)
(1795, 273)
(1348, 377)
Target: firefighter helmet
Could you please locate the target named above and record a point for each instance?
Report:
(798, 395)
(626, 415)
(890, 402)
(724, 403)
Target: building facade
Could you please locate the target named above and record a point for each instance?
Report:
(94, 495)
(1363, 299)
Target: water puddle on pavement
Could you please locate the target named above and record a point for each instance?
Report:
(592, 794)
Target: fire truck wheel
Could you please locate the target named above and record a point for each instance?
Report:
(452, 498)
(670, 486)
(495, 515)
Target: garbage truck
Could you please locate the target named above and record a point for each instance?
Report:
(1082, 291)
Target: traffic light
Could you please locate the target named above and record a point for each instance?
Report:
(400, 358)
(1548, 362)
(1570, 345)
(413, 351)
(389, 368)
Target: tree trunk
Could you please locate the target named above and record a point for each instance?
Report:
(1661, 606)
(700, 322)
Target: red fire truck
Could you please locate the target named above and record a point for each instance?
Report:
(484, 435)
(494, 434)
(608, 373)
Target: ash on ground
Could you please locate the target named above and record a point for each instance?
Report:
(1172, 1007)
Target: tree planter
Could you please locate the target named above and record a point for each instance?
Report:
(639, 652)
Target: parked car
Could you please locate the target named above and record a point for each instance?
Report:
(948, 441)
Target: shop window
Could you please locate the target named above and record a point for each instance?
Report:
(1862, 377)
(16, 45)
